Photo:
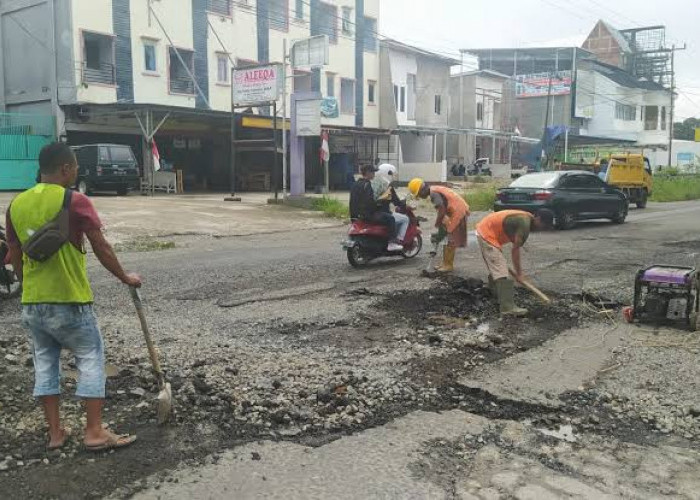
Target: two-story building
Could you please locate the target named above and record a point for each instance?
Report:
(97, 64)
(415, 92)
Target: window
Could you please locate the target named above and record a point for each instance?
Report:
(347, 23)
(403, 99)
(150, 62)
(98, 58)
(396, 97)
(222, 7)
(582, 182)
(625, 112)
(279, 14)
(299, 10)
(479, 111)
(347, 96)
(651, 118)
(222, 71)
(302, 81)
(103, 154)
(438, 104)
(371, 92)
(330, 84)
(121, 154)
(327, 25)
(411, 84)
(370, 38)
(663, 118)
(180, 81)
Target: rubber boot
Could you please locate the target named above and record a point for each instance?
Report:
(492, 286)
(505, 290)
(448, 260)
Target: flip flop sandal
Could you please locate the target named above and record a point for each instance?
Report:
(67, 434)
(114, 442)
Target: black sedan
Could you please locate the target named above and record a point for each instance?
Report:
(571, 195)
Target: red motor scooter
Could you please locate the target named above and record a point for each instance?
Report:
(368, 241)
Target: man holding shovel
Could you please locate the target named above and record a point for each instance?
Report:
(499, 229)
(57, 298)
(451, 221)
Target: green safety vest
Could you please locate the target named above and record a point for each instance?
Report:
(63, 278)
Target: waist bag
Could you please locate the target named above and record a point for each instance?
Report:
(49, 239)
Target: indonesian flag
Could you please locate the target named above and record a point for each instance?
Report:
(325, 150)
(156, 156)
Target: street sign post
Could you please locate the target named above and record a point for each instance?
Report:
(258, 86)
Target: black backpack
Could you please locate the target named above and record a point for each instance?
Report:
(49, 239)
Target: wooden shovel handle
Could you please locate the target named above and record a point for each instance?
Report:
(136, 296)
(533, 289)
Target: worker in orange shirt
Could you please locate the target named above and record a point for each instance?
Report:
(451, 221)
(499, 229)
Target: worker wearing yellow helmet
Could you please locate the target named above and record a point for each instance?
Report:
(451, 221)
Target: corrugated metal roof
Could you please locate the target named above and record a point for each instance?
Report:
(625, 78)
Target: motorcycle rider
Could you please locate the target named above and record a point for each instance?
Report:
(385, 195)
(451, 221)
(364, 206)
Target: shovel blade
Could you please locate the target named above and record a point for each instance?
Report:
(165, 403)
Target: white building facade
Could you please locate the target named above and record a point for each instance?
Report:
(77, 59)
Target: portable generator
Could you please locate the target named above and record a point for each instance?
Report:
(667, 295)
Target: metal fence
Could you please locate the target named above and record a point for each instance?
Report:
(21, 138)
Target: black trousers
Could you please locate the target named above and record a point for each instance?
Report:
(385, 219)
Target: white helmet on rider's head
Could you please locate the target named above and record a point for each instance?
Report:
(387, 172)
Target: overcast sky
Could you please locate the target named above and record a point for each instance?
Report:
(445, 26)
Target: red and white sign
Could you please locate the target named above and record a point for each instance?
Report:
(257, 84)
(538, 85)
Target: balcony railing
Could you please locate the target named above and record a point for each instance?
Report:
(105, 74)
(181, 86)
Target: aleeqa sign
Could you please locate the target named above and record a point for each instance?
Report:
(257, 84)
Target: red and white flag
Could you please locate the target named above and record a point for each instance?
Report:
(156, 156)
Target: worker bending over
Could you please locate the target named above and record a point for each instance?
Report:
(451, 221)
(499, 229)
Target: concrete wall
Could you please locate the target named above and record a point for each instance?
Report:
(31, 79)
(401, 64)
(429, 172)
(433, 79)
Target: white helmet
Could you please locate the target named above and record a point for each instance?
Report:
(387, 172)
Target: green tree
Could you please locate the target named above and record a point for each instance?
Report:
(685, 130)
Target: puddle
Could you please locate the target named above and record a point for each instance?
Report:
(564, 432)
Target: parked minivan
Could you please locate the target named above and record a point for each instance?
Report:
(106, 167)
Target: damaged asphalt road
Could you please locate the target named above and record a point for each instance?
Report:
(275, 339)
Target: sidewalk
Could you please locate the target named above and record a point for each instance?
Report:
(135, 216)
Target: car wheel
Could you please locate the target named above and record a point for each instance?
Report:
(643, 198)
(620, 216)
(84, 187)
(565, 220)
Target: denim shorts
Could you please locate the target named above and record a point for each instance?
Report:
(56, 326)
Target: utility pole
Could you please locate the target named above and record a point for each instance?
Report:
(546, 115)
(673, 103)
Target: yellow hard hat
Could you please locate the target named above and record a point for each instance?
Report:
(415, 185)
